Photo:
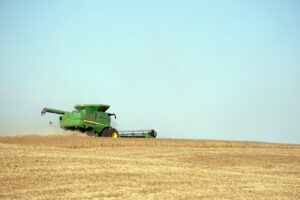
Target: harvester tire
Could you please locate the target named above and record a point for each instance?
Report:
(90, 132)
(104, 132)
(110, 132)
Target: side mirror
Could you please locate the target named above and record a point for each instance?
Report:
(112, 114)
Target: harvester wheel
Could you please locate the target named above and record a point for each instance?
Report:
(110, 132)
(90, 132)
(104, 133)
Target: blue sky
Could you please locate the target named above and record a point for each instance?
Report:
(189, 69)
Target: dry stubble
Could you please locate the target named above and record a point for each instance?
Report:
(76, 167)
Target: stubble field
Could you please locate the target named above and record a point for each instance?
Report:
(80, 167)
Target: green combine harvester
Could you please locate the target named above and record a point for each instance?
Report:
(93, 120)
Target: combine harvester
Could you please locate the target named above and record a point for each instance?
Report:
(93, 120)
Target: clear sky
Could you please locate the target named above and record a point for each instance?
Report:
(189, 69)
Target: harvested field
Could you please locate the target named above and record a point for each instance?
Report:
(80, 167)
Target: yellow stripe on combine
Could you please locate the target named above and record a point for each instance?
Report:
(92, 122)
